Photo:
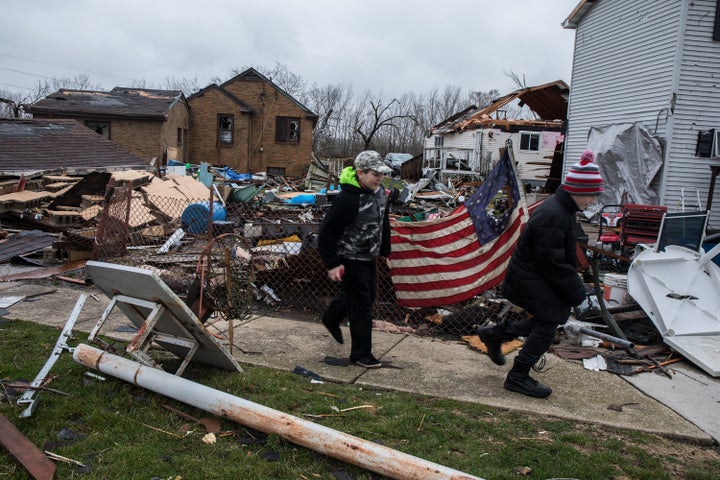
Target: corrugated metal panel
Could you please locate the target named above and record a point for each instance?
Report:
(623, 67)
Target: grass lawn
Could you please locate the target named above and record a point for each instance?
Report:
(120, 431)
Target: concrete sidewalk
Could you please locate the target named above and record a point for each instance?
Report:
(682, 407)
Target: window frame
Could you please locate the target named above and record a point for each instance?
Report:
(221, 141)
(284, 131)
(529, 145)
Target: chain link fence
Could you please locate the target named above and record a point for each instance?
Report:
(252, 257)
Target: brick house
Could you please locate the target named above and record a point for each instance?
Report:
(147, 123)
(251, 125)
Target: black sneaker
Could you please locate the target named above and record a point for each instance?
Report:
(334, 330)
(492, 343)
(526, 385)
(368, 361)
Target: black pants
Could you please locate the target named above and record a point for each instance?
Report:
(356, 303)
(539, 332)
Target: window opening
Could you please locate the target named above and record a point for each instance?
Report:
(287, 129)
(101, 128)
(225, 129)
(530, 141)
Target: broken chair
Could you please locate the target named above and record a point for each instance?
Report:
(160, 316)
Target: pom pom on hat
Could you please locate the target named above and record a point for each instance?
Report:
(584, 177)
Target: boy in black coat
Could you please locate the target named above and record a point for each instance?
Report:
(542, 276)
(354, 231)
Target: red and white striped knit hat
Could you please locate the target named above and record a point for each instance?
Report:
(584, 177)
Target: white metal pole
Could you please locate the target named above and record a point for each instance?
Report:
(349, 449)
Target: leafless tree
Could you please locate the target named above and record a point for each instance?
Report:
(518, 80)
(9, 108)
(483, 99)
(281, 76)
(42, 89)
(331, 103)
(376, 116)
(185, 85)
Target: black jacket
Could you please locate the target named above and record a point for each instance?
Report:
(357, 226)
(542, 275)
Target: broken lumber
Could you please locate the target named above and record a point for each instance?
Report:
(25, 452)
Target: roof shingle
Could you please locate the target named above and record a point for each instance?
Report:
(29, 146)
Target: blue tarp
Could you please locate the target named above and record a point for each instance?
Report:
(230, 174)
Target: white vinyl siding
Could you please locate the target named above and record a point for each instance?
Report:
(625, 52)
(697, 109)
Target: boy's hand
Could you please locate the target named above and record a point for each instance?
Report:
(336, 273)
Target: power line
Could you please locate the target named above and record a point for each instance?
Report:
(15, 86)
(62, 66)
(25, 73)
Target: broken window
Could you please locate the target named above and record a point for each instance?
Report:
(225, 129)
(529, 141)
(101, 128)
(704, 146)
(287, 129)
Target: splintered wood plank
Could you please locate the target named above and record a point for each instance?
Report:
(34, 461)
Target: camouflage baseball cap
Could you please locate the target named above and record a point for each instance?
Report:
(370, 159)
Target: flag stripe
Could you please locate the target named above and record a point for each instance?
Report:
(442, 280)
(453, 258)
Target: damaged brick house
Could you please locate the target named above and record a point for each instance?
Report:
(247, 123)
(470, 141)
(250, 124)
(150, 124)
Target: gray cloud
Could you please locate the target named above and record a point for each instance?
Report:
(393, 46)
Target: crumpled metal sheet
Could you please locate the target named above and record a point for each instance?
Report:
(25, 243)
(629, 157)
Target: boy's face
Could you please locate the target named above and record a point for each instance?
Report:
(371, 179)
(584, 201)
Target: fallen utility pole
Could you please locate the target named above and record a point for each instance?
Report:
(353, 450)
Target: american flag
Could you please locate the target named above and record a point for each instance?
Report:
(453, 258)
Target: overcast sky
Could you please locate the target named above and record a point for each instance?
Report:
(393, 46)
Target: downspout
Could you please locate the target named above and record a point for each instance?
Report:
(347, 448)
(669, 126)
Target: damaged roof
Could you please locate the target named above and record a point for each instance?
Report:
(120, 102)
(29, 146)
(549, 102)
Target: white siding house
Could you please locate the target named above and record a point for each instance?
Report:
(656, 63)
(470, 142)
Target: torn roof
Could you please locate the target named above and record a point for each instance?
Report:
(31, 146)
(122, 102)
(548, 101)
